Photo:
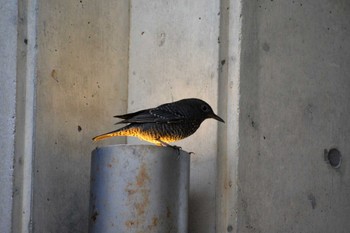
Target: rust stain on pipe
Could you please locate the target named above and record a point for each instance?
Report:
(138, 191)
(142, 176)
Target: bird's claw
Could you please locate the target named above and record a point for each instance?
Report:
(168, 145)
(175, 147)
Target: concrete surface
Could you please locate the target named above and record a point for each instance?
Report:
(229, 99)
(276, 71)
(25, 105)
(174, 55)
(81, 84)
(8, 51)
(294, 104)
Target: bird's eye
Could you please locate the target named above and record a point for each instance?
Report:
(205, 108)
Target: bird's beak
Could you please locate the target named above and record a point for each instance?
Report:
(216, 117)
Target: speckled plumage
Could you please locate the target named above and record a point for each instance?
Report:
(164, 124)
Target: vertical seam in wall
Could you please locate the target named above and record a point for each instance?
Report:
(228, 134)
(25, 112)
(129, 46)
(128, 68)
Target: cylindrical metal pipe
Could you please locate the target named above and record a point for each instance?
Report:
(139, 189)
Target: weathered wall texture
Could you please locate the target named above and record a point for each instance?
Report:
(81, 84)
(8, 54)
(283, 91)
(173, 55)
(295, 96)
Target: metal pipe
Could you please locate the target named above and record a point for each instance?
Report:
(139, 188)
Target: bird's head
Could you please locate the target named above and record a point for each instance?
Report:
(203, 110)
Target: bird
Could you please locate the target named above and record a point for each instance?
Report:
(164, 124)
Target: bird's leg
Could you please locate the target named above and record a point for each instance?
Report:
(174, 147)
(168, 145)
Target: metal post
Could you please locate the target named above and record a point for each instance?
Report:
(139, 189)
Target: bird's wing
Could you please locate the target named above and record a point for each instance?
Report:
(165, 113)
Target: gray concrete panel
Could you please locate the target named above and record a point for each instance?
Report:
(228, 133)
(82, 80)
(173, 55)
(8, 51)
(283, 93)
(294, 104)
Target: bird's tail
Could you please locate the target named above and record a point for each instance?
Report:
(108, 135)
(128, 130)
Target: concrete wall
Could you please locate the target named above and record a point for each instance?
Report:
(276, 71)
(8, 51)
(229, 100)
(81, 84)
(173, 55)
(294, 104)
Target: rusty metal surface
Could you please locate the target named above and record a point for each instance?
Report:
(139, 189)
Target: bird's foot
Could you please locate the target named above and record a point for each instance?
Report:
(168, 145)
(177, 148)
(171, 146)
